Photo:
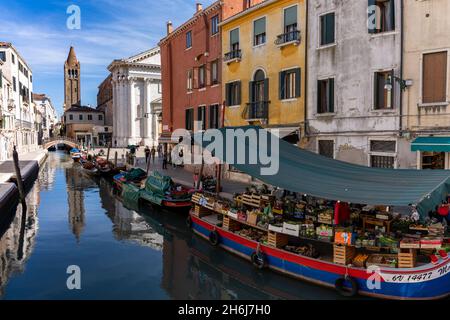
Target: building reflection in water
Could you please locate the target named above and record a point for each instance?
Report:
(18, 238)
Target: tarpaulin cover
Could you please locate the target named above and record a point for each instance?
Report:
(157, 183)
(432, 144)
(130, 195)
(309, 173)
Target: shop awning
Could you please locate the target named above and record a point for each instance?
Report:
(309, 173)
(431, 144)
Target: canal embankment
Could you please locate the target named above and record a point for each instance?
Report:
(29, 165)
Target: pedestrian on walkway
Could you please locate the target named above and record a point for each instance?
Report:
(159, 149)
(147, 154)
(164, 165)
(153, 153)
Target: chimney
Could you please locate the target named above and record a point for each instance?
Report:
(169, 27)
(199, 7)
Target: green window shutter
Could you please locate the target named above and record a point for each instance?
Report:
(250, 92)
(330, 28)
(298, 79)
(392, 9)
(375, 91)
(266, 89)
(290, 16)
(331, 95)
(281, 87)
(227, 94)
(259, 26)
(1, 79)
(234, 36)
(238, 88)
(319, 97)
(393, 89)
(370, 18)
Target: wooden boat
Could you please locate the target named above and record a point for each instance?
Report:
(75, 154)
(89, 168)
(162, 191)
(426, 282)
(134, 176)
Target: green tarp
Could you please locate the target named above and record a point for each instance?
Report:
(431, 144)
(130, 195)
(308, 173)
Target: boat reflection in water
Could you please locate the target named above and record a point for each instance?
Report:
(124, 253)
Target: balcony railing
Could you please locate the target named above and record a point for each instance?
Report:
(24, 124)
(235, 55)
(257, 111)
(292, 37)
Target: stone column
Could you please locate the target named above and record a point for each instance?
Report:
(131, 109)
(147, 109)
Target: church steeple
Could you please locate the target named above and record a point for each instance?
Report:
(72, 92)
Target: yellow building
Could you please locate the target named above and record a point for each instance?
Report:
(263, 68)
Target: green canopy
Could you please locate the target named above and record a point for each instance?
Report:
(432, 144)
(309, 173)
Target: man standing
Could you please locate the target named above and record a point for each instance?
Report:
(147, 154)
(164, 166)
(153, 153)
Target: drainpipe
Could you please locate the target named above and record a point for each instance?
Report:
(401, 65)
(305, 105)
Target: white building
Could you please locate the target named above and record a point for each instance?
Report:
(354, 101)
(49, 115)
(137, 108)
(19, 114)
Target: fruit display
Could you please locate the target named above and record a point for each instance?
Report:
(360, 260)
(307, 251)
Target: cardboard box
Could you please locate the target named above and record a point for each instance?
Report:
(291, 229)
(274, 228)
(252, 217)
(232, 214)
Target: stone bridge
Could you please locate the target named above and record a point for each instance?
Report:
(61, 140)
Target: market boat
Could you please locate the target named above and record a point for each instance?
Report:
(75, 154)
(162, 191)
(89, 168)
(347, 272)
(134, 176)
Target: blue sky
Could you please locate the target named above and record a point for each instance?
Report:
(110, 29)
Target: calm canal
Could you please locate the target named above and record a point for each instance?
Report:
(73, 219)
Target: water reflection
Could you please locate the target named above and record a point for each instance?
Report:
(123, 253)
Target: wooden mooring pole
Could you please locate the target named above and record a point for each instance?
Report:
(19, 177)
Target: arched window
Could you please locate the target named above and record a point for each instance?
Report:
(259, 75)
(258, 96)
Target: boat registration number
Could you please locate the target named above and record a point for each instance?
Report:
(417, 277)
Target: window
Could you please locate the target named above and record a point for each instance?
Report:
(381, 16)
(189, 117)
(383, 98)
(259, 32)
(80, 117)
(382, 154)
(290, 23)
(21, 67)
(100, 117)
(31, 78)
(14, 84)
(234, 40)
(214, 72)
(201, 76)
(434, 77)
(190, 79)
(201, 117)
(3, 56)
(290, 84)
(215, 25)
(70, 116)
(106, 129)
(188, 39)
(25, 72)
(326, 148)
(327, 28)
(214, 116)
(325, 96)
(13, 58)
(89, 117)
(233, 93)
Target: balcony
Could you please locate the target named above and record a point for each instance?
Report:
(24, 124)
(288, 38)
(232, 56)
(256, 111)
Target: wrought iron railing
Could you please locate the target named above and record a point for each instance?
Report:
(288, 37)
(24, 124)
(233, 55)
(257, 110)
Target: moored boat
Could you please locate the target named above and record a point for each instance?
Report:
(75, 154)
(89, 168)
(134, 176)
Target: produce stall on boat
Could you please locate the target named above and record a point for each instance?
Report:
(369, 231)
(134, 176)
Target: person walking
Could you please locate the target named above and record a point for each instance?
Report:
(164, 164)
(147, 154)
(153, 153)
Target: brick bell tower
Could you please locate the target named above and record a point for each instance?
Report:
(72, 88)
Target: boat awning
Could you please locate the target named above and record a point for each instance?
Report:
(309, 173)
(431, 144)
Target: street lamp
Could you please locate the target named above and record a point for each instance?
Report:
(403, 83)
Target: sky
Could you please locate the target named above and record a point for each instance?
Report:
(109, 29)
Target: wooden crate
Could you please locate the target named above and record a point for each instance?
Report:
(407, 258)
(200, 211)
(277, 240)
(343, 254)
(251, 200)
(230, 224)
(196, 197)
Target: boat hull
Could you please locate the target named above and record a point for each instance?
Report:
(424, 283)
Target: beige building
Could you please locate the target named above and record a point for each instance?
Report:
(426, 116)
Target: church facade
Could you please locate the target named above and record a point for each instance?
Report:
(137, 105)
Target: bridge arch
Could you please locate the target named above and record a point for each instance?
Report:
(60, 140)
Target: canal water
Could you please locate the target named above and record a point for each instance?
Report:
(76, 220)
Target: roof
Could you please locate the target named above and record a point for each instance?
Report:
(136, 60)
(309, 173)
(76, 108)
(10, 45)
(191, 21)
(72, 57)
(247, 11)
